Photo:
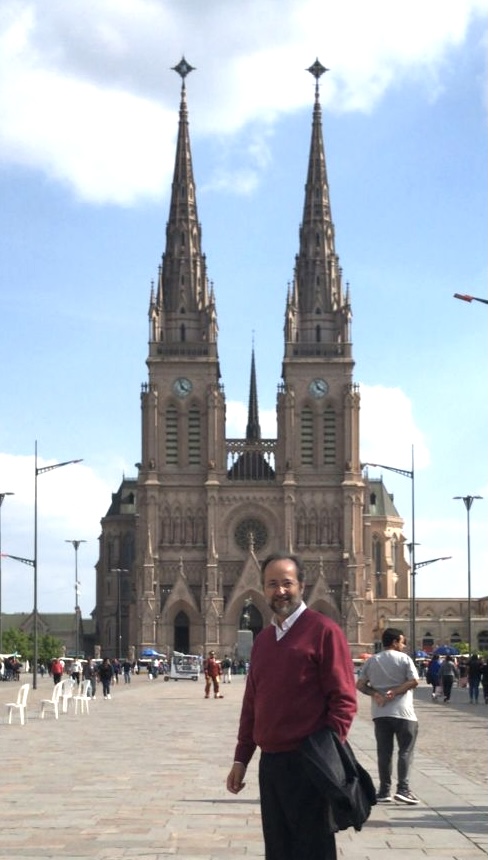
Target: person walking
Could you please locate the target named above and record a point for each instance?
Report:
(226, 667)
(474, 678)
(90, 674)
(447, 675)
(76, 670)
(300, 680)
(484, 680)
(127, 670)
(105, 673)
(390, 678)
(211, 670)
(432, 676)
(57, 670)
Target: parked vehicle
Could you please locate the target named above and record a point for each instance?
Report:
(184, 666)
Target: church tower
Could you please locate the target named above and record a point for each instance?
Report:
(181, 545)
(183, 412)
(318, 405)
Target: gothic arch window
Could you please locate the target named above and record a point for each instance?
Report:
(171, 427)
(306, 436)
(394, 545)
(455, 638)
(182, 333)
(318, 334)
(110, 554)
(182, 238)
(109, 633)
(330, 441)
(317, 239)
(194, 436)
(127, 550)
(377, 554)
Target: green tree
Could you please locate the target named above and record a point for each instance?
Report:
(17, 640)
(48, 647)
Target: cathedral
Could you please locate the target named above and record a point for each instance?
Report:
(182, 542)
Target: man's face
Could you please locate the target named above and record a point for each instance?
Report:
(282, 589)
(399, 644)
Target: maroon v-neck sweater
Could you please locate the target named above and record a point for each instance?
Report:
(297, 685)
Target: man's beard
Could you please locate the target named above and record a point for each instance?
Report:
(283, 607)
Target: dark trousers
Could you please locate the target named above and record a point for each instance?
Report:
(447, 682)
(293, 814)
(386, 729)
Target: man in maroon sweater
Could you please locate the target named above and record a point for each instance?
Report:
(301, 680)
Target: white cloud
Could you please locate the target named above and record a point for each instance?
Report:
(86, 96)
(388, 429)
(71, 502)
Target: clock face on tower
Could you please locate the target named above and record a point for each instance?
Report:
(318, 388)
(182, 386)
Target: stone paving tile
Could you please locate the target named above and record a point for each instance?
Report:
(143, 776)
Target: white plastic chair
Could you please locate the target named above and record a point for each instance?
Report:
(20, 704)
(53, 702)
(67, 690)
(83, 697)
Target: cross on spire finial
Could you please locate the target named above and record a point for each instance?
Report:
(183, 68)
(317, 70)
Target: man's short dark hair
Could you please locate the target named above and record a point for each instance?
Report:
(391, 635)
(285, 556)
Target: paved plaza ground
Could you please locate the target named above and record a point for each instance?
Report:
(143, 776)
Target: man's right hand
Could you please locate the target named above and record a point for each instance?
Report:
(235, 782)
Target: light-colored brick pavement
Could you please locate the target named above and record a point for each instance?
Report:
(143, 776)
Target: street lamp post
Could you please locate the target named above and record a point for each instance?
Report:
(407, 473)
(414, 568)
(468, 501)
(39, 470)
(466, 298)
(76, 545)
(2, 497)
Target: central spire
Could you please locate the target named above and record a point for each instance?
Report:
(253, 431)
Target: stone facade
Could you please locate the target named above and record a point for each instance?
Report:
(181, 544)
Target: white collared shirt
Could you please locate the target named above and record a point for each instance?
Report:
(288, 622)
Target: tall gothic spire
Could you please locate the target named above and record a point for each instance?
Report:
(316, 307)
(184, 306)
(253, 431)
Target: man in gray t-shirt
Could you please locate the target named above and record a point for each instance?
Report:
(390, 678)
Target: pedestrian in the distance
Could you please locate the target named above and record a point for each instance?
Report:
(432, 676)
(474, 678)
(57, 670)
(105, 673)
(447, 675)
(390, 678)
(211, 669)
(484, 680)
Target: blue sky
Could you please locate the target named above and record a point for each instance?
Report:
(89, 117)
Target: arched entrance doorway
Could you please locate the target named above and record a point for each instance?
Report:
(182, 633)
